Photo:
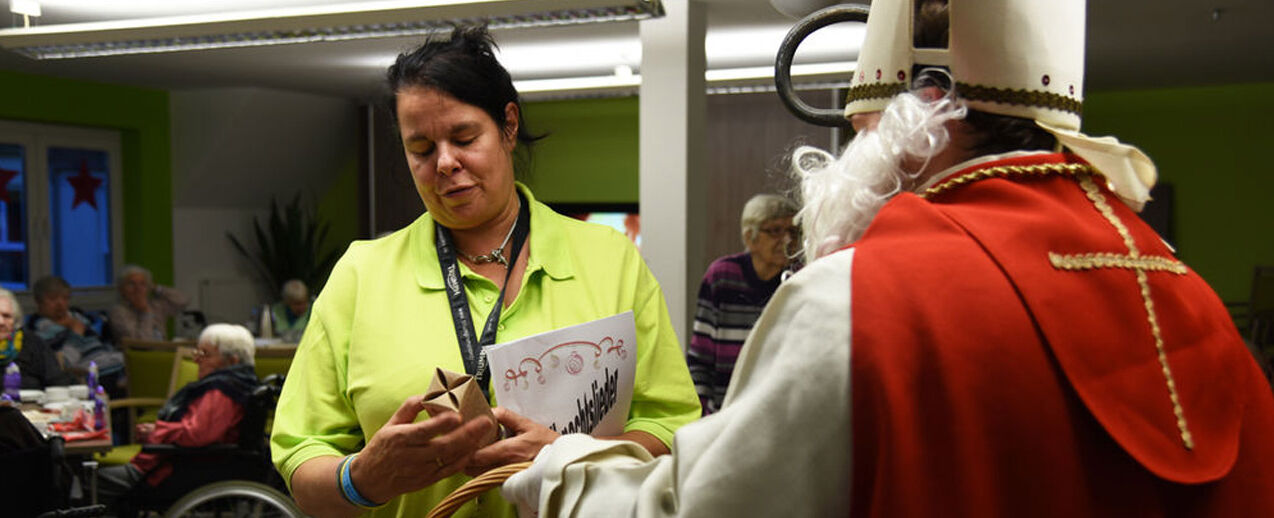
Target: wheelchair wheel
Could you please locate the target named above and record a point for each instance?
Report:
(237, 499)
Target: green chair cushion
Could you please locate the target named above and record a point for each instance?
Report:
(118, 455)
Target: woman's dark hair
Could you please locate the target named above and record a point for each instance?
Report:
(994, 133)
(463, 66)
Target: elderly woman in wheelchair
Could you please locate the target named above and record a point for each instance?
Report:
(209, 411)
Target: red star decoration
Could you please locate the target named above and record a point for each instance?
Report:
(85, 187)
(5, 176)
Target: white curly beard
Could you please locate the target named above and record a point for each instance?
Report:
(840, 196)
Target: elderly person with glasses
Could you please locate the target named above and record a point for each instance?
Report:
(734, 291)
(206, 411)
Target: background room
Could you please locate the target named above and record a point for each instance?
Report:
(206, 139)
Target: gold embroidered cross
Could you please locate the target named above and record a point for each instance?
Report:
(1140, 264)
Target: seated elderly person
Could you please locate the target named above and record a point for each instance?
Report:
(144, 308)
(292, 314)
(38, 365)
(70, 332)
(206, 411)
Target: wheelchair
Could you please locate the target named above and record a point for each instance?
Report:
(221, 479)
(35, 479)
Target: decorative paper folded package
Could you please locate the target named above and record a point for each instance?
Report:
(452, 392)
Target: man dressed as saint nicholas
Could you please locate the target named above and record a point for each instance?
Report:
(984, 328)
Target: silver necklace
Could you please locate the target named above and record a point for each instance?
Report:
(497, 254)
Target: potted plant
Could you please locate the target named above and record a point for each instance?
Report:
(288, 247)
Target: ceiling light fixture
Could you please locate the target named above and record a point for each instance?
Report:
(311, 24)
(26, 8)
(827, 75)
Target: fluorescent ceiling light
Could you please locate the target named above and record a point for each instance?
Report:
(807, 69)
(310, 24)
(724, 48)
(843, 69)
(569, 58)
(71, 11)
(737, 47)
(24, 7)
(576, 83)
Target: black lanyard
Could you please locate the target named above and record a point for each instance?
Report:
(475, 359)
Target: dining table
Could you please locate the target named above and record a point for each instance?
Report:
(80, 442)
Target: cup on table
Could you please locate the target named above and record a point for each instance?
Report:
(78, 391)
(32, 396)
(55, 394)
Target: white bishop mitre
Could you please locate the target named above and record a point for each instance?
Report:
(1022, 58)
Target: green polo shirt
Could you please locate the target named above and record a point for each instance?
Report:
(382, 324)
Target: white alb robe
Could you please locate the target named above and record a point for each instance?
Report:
(780, 445)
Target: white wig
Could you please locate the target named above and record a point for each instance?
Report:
(840, 196)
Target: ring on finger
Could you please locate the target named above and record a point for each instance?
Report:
(439, 461)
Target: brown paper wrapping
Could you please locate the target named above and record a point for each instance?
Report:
(452, 392)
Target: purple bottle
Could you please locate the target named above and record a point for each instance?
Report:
(13, 383)
(92, 374)
(99, 408)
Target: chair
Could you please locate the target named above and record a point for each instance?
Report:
(275, 359)
(189, 324)
(203, 472)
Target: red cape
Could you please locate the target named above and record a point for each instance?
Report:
(988, 381)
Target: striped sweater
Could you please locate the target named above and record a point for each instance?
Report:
(731, 298)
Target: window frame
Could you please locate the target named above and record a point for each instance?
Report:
(36, 140)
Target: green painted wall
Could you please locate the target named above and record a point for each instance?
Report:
(590, 154)
(1210, 143)
(338, 207)
(141, 116)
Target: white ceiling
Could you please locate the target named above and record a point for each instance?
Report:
(1131, 44)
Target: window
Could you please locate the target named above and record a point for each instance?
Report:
(59, 205)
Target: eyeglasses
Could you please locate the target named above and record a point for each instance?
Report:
(778, 232)
(200, 354)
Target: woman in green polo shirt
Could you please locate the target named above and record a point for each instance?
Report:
(349, 435)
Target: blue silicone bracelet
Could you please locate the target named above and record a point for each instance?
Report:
(347, 487)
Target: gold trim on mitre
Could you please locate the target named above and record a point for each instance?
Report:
(1033, 98)
(875, 91)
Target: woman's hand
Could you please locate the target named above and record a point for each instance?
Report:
(405, 456)
(528, 437)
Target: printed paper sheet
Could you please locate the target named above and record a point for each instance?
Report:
(577, 379)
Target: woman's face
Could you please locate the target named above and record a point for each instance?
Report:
(135, 289)
(461, 162)
(209, 359)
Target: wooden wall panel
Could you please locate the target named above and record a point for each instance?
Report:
(749, 139)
